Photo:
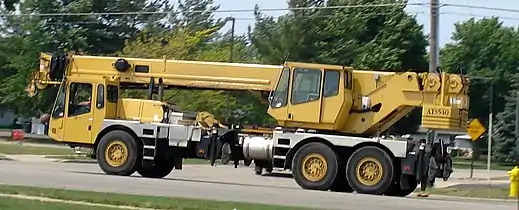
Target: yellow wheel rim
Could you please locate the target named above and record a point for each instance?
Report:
(369, 171)
(314, 167)
(116, 153)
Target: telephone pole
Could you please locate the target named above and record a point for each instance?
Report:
(433, 51)
(433, 37)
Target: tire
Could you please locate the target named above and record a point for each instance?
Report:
(247, 162)
(226, 154)
(157, 171)
(381, 160)
(131, 155)
(340, 184)
(396, 190)
(322, 154)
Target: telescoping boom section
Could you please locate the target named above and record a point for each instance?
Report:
(178, 73)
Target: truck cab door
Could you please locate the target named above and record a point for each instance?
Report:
(56, 126)
(305, 96)
(79, 114)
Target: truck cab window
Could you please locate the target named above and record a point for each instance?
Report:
(59, 105)
(80, 99)
(280, 96)
(331, 83)
(306, 86)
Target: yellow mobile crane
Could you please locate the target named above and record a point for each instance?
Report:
(330, 118)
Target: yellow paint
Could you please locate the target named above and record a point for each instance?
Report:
(116, 153)
(314, 167)
(369, 171)
(514, 182)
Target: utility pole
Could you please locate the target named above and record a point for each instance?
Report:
(433, 36)
(490, 115)
(433, 49)
(231, 59)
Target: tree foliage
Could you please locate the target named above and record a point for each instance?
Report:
(487, 48)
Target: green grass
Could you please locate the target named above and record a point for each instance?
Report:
(134, 200)
(480, 164)
(15, 149)
(17, 204)
(475, 192)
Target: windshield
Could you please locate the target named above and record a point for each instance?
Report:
(59, 104)
(280, 95)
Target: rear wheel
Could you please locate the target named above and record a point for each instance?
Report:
(160, 170)
(370, 170)
(315, 166)
(396, 189)
(118, 153)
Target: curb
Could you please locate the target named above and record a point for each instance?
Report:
(77, 161)
(6, 159)
(460, 198)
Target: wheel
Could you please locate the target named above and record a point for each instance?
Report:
(247, 162)
(396, 190)
(315, 166)
(118, 153)
(370, 170)
(340, 184)
(226, 153)
(258, 170)
(157, 171)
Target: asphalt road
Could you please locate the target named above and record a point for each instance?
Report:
(220, 183)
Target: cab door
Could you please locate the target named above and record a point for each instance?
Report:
(56, 126)
(305, 96)
(80, 110)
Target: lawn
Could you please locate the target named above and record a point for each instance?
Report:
(128, 200)
(15, 149)
(16, 204)
(473, 191)
(480, 164)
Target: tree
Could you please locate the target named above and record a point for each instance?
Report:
(483, 48)
(25, 36)
(504, 148)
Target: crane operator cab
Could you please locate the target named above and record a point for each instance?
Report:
(304, 91)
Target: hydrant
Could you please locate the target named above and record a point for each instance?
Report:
(514, 182)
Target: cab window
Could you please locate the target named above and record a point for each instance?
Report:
(306, 86)
(80, 99)
(59, 105)
(100, 96)
(331, 83)
(280, 96)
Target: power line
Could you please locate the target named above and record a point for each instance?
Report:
(481, 7)
(217, 11)
(246, 19)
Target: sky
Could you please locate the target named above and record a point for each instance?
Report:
(448, 15)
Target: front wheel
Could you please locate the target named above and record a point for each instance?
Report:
(118, 153)
(315, 166)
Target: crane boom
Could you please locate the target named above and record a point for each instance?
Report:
(177, 73)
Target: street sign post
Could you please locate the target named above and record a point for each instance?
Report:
(475, 130)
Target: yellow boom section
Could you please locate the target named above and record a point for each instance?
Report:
(213, 75)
